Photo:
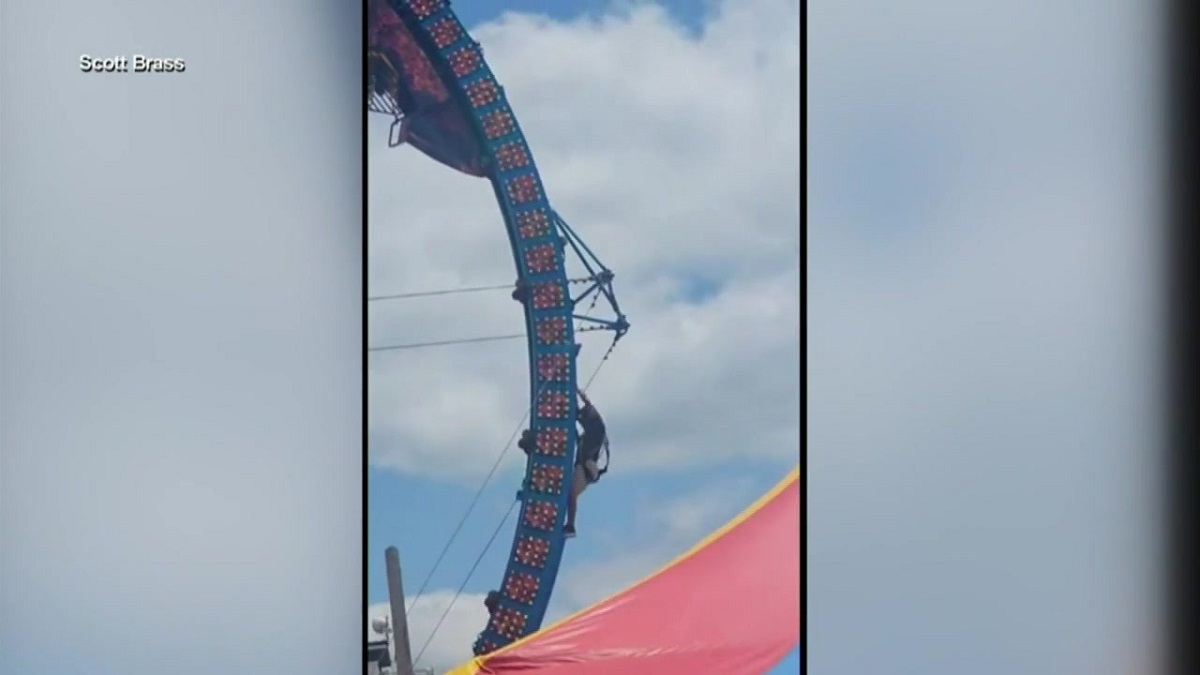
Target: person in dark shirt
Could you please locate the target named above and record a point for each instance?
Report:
(587, 470)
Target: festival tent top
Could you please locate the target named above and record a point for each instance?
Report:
(731, 605)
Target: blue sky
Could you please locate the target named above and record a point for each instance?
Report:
(790, 665)
(417, 516)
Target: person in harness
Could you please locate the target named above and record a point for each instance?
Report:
(592, 441)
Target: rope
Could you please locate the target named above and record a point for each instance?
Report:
(491, 540)
(600, 365)
(475, 499)
(491, 473)
(471, 507)
(443, 343)
(495, 533)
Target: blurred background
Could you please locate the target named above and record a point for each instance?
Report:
(983, 274)
(983, 232)
(181, 324)
(181, 339)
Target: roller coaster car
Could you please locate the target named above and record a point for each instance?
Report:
(492, 601)
(527, 442)
(385, 78)
(521, 292)
(412, 91)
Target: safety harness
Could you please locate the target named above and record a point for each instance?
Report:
(603, 470)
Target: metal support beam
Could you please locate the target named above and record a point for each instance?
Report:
(400, 644)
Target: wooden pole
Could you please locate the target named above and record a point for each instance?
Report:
(400, 643)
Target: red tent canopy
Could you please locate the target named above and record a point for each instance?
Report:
(731, 605)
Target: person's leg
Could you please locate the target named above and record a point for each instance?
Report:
(578, 485)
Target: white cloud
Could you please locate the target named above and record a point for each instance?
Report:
(675, 156)
(668, 529)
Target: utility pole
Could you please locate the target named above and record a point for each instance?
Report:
(400, 644)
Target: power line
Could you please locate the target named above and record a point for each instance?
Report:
(488, 478)
(455, 291)
(486, 547)
(443, 343)
(475, 500)
(496, 532)
(485, 338)
(447, 291)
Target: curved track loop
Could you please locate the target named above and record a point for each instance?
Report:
(539, 240)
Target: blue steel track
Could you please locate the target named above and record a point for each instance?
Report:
(541, 243)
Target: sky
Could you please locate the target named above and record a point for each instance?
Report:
(980, 318)
(675, 154)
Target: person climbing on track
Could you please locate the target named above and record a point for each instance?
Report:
(587, 468)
